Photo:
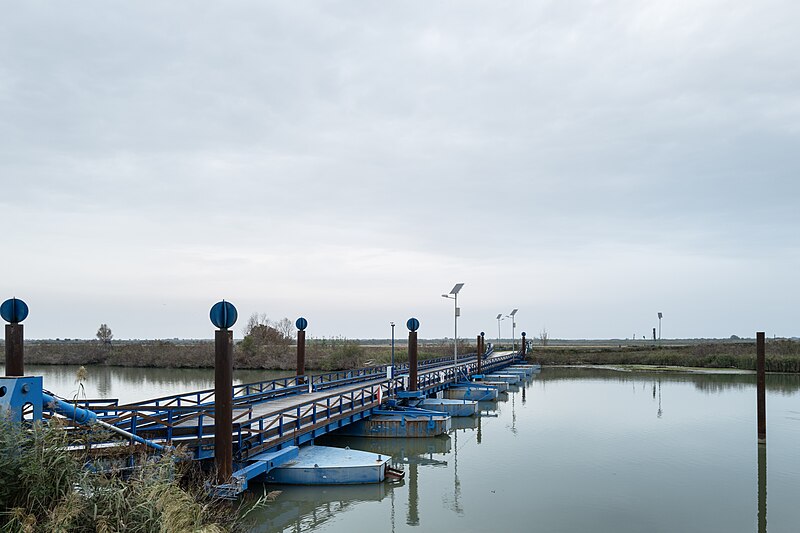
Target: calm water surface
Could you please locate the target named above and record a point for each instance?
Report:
(571, 450)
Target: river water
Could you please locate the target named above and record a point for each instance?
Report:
(571, 450)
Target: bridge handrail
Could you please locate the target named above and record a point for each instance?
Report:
(290, 383)
(262, 431)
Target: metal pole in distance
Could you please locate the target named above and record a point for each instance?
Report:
(223, 404)
(455, 334)
(15, 361)
(480, 351)
(761, 387)
(301, 356)
(412, 360)
(513, 334)
(392, 324)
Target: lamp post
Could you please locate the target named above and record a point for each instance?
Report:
(454, 296)
(392, 324)
(513, 325)
(500, 318)
(659, 325)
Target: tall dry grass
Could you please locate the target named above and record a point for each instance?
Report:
(46, 488)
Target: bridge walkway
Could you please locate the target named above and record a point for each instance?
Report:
(270, 415)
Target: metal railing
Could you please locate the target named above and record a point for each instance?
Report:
(189, 417)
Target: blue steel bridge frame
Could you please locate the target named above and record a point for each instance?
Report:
(335, 400)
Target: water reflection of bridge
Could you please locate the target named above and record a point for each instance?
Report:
(305, 508)
(299, 509)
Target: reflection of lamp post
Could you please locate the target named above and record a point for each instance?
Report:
(513, 325)
(457, 312)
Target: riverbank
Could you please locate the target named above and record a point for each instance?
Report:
(321, 355)
(781, 355)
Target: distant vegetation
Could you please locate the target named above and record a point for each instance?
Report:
(782, 355)
(269, 347)
(266, 353)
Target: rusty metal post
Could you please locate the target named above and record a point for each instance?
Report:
(301, 356)
(15, 360)
(480, 352)
(761, 387)
(762, 488)
(524, 346)
(412, 360)
(223, 404)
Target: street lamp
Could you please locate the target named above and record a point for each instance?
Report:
(499, 318)
(513, 325)
(457, 312)
(659, 325)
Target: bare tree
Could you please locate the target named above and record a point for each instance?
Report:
(543, 336)
(253, 322)
(261, 330)
(285, 327)
(104, 334)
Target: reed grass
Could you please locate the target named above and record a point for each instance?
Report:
(46, 488)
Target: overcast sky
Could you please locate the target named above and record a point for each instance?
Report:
(591, 163)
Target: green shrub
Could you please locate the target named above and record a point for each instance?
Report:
(347, 355)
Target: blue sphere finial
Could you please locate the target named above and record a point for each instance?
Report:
(14, 310)
(482, 334)
(523, 333)
(223, 314)
(301, 324)
(412, 324)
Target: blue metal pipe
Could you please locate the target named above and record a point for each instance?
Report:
(73, 412)
(85, 417)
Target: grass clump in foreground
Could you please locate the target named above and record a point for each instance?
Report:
(45, 488)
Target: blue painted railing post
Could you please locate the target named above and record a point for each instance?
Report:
(223, 315)
(14, 311)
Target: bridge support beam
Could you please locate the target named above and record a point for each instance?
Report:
(412, 360)
(223, 404)
(15, 362)
(761, 392)
(301, 356)
(480, 354)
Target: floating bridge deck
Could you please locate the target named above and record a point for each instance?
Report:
(271, 415)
